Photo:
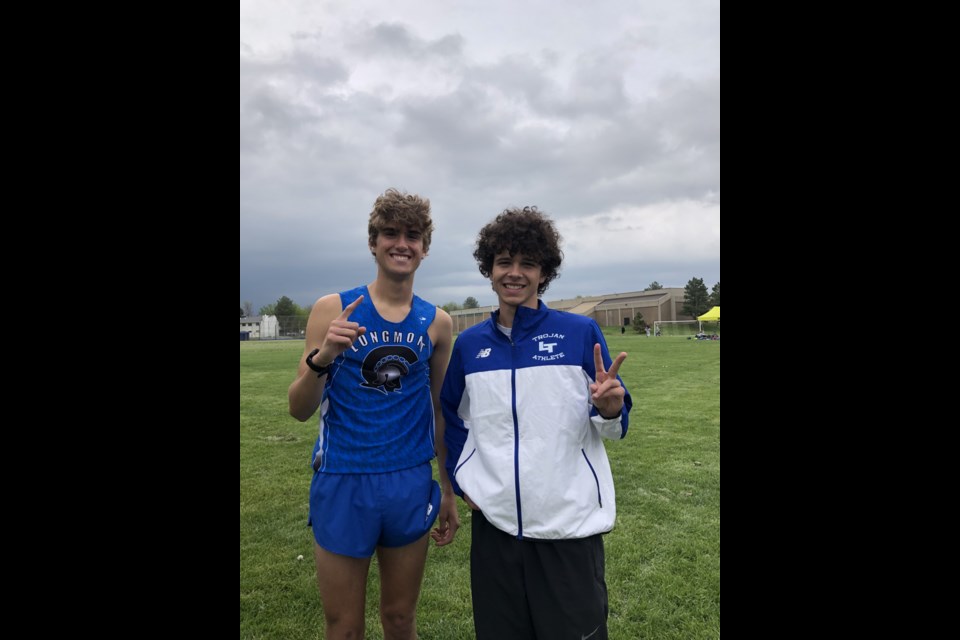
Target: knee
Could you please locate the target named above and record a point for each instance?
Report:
(339, 627)
(398, 623)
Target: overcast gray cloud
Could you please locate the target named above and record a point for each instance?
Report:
(604, 115)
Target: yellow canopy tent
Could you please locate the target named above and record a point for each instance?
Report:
(710, 316)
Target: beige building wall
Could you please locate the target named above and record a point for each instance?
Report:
(466, 318)
(608, 310)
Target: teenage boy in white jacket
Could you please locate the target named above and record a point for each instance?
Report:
(527, 398)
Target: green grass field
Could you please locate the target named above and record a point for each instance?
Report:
(663, 557)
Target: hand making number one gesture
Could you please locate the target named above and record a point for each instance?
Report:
(340, 334)
(607, 392)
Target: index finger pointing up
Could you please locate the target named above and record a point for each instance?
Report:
(350, 308)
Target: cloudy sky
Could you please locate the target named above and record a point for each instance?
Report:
(605, 115)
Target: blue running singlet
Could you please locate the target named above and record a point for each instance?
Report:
(377, 412)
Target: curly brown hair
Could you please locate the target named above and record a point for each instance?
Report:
(398, 207)
(527, 231)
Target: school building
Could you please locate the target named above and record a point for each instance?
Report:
(612, 310)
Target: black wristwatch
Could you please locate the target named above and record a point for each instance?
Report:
(321, 371)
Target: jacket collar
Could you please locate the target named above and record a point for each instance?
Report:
(525, 321)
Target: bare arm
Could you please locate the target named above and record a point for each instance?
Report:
(441, 333)
(330, 330)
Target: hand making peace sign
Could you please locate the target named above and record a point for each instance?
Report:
(607, 392)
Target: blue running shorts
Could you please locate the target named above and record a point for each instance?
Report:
(352, 514)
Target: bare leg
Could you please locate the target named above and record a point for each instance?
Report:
(401, 574)
(343, 590)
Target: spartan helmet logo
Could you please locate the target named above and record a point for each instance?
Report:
(384, 367)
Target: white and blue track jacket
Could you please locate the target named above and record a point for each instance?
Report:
(523, 438)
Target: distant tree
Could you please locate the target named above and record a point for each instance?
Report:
(451, 306)
(470, 303)
(241, 312)
(286, 311)
(697, 301)
(297, 323)
(653, 286)
(285, 307)
(639, 324)
(715, 296)
(247, 308)
(268, 310)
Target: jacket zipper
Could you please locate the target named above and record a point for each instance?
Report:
(516, 431)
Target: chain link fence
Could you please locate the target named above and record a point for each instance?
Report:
(291, 327)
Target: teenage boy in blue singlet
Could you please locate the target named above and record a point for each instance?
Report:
(373, 363)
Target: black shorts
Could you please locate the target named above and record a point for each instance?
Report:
(544, 589)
